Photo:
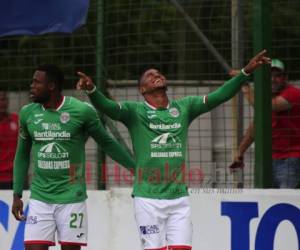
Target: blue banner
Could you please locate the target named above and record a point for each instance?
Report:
(35, 17)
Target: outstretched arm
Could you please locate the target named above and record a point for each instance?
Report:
(226, 91)
(246, 89)
(231, 87)
(109, 145)
(99, 101)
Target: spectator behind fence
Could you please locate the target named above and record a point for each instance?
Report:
(8, 142)
(285, 129)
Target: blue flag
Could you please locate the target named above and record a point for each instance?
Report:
(34, 17)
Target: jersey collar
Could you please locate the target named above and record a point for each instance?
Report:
(59, 106)
(152, 107)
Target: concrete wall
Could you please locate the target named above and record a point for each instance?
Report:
(223, 219)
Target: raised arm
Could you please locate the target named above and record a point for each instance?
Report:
(109, 145)
(231, 87)
(99, 101)
(226, 91)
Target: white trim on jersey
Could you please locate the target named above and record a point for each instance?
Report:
(152, 107)
(62, 103)
(59, 107)
(205, 99)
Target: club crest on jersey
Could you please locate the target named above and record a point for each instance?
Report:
(174, 112)
(64, 117)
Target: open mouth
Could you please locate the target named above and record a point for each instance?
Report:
(158, 82)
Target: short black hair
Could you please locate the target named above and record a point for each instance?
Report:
(53, 73)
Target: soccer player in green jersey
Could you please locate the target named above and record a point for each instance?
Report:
(158, 128)
(54, 129)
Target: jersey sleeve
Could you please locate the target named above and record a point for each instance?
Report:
(107, 106)
(128, 109)
(111, 147)
(22, 157)
(197, 105)
(226, 91)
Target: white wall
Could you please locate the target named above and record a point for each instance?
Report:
(112, 225)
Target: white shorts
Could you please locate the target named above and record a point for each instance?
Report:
(68, 220)
(164, 223)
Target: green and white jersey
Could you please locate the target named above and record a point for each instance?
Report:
(57, 142)
(159, 138)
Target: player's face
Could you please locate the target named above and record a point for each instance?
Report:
(278, 80)
(152, 80)
(39, 88)
(3, 102)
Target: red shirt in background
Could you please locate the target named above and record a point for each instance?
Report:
(8, 143)
(286, 126)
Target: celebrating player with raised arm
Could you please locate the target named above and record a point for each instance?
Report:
(158, 128)
(55, 128)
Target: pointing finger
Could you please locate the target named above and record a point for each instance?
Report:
(82, 75)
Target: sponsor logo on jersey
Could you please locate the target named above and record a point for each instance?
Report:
(37, 121)
(54, 164)
(174, 112)
(151, 116)
(51, 126)
(162, 139)
(53, 151)
(53, 156)
(65, 117)
(166, 154)
(51, 135)
(166, 141)
(165, 126)
(38, 115)
(149, 229)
